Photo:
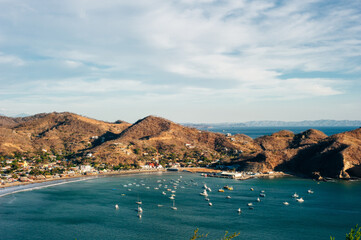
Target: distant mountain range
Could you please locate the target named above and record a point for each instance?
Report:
(306, 123)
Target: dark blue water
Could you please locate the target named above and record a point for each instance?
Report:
(255, 132)
(85, 210)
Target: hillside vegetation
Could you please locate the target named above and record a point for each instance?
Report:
(155, 139)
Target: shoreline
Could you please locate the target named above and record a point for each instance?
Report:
(78, 176)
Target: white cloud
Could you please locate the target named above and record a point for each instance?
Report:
(195, 50)
(10, 59)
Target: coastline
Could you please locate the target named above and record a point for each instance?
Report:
(68, 179)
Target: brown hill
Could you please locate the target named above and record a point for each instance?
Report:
(310, 153)
(55, 131)
(155, 138)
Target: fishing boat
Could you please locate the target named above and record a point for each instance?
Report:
(300, 200)
(228, 188)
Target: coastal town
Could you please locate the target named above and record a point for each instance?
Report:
(18, 170)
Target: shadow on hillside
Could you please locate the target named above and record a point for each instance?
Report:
(323, 158)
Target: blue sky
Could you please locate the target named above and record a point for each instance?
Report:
(185, 60)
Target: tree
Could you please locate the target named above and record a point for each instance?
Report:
(354, 234)
(225, 237)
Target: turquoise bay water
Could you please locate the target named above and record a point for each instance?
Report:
(255, 132)
(85, 210)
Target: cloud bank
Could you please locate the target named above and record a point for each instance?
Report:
(113, 59)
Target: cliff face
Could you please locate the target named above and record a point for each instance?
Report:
(309, 153)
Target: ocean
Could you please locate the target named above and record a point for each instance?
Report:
(86, 209)
(255, 132)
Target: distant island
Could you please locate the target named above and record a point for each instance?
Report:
(55, 144)
(315, 123)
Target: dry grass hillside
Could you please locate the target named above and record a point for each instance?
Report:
(310, 153)
(155, 138)
(55, 131)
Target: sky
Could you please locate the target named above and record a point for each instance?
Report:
(185, 60)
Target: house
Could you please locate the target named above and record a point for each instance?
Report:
(86, 168)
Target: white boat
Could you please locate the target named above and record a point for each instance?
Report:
(116, 206)
(295, 195)
(171, 197)
(249, 204)
(300, 200)
(228, 197)
(239, 210)
(258, 200)
(160, 205)
(204, 193)
(286, 203)
(174, 207)
(251, 189)
(139, 202)
(209, 189)
(262, 195)
(210, 204)
(164, 193)
(139, 215)
(205, 186)
(140, 210)
(309, 191)
(207, 199)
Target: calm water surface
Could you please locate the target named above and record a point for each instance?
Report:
(85, 210)
(255, 132)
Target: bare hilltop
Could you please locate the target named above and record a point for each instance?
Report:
(153, 139)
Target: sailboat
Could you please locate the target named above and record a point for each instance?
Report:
(138, 202)
(204, 193)
(174, 207)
